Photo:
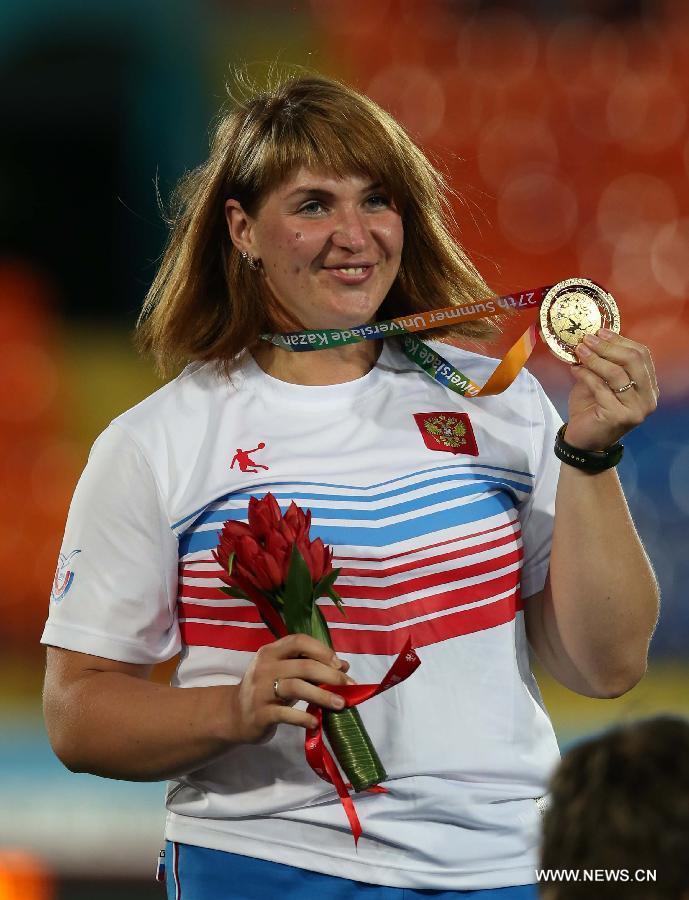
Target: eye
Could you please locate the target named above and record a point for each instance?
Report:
(378, 200)
(311, 207)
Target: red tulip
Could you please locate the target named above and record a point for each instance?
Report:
(257, 555)
(264, 515)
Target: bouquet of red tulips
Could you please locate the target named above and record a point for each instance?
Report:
(272, 562)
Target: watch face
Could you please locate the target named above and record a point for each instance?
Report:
(572, 309)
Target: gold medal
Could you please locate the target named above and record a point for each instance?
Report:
(572, 309)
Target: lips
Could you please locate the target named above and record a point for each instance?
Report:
(350, 274)
(350, 270)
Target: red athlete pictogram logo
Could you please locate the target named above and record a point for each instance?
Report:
(244, 460)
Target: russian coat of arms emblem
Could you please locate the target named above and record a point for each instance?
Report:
(448, 431)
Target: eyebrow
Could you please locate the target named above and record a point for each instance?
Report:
(309, 191)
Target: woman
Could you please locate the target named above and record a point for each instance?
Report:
(316, 210)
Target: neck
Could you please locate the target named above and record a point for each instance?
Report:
(318, 367)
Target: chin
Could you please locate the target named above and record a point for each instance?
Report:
(355, 312)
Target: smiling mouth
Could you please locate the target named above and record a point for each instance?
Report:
(350, 270)
(350, 275)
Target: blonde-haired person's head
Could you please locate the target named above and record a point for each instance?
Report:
(207, 304)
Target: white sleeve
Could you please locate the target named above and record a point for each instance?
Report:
(538, 512)
(114, 593)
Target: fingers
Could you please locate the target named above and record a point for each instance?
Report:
(264, 724)
(303, 658)
(616, 365)
(620, 342)
(299, 679)
(616, 361)
(606, 400)
(258, 710)
(296, 689)
(296, 665)
(281, 674)
(303, 645)
(601, 414)
(288, 716)
(310, 670)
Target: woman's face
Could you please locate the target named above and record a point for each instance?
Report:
(330, 248)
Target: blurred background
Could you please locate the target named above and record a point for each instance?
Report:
(562, 127)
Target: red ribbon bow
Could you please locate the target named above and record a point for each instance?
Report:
(317, 754)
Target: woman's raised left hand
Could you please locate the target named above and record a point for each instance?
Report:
(599, 413)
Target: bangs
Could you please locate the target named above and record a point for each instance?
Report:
(341, 142)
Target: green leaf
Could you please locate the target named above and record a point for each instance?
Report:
(337, 600)
(234, 592)
(327, 581)
(319, 627)
(298, 595)
(324, 588)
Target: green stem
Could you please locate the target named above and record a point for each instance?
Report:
(346, 733)
(353, 748)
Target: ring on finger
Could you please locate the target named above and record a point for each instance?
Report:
(276, 690)
(625, 387)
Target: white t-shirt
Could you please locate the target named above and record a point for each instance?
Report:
(440, 512)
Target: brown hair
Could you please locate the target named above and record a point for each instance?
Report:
(621, 801)
(205, 303)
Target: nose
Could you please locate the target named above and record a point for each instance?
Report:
(350, 231)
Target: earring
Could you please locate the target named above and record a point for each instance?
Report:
(254, 264)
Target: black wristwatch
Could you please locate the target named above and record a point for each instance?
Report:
(588, 460)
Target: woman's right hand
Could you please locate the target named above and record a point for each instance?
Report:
(299, 663)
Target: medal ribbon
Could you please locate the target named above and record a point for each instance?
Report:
(317, 754)
(426, 357)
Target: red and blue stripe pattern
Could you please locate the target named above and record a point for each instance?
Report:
(432, 555)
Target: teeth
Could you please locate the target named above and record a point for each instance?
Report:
(357, 271)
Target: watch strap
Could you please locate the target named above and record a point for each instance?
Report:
(587, 460)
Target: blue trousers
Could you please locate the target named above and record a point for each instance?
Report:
(196, 873)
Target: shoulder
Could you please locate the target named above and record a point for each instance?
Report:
(166, 431)
(181, 411)
(198, 388)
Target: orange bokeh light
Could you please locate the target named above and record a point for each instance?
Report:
(24, 877)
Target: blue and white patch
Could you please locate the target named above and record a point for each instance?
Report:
(64, 576)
